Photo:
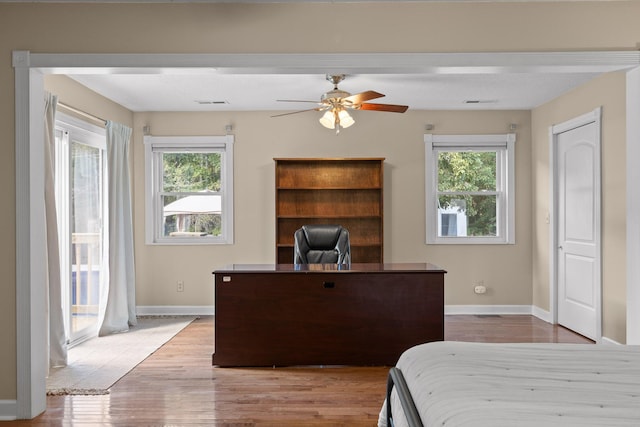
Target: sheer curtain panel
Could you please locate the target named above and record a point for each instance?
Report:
(118, 293)
(56, 335)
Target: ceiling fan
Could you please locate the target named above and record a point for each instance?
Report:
(336, 102)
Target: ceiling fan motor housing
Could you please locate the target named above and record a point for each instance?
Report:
(335, 95)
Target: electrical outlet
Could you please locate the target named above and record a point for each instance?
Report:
(480, 288)
(180, 286)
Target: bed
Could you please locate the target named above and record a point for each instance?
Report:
(480, 384)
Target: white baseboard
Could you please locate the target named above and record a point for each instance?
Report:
(487, 309)
(530, 310)
(208, 310)
(609, 341)
(8, 410)
(175, 310)
(542, 314)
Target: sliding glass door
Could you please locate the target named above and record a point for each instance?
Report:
(80, 189)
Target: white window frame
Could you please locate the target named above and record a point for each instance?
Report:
(504, 144)
(153, 180)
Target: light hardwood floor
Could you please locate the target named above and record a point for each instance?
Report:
(177, 386)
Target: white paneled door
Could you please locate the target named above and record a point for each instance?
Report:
(578, 228)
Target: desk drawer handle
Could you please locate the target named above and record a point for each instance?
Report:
(328, 285)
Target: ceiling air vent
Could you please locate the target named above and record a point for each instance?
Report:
(210, 102)
(480, 101)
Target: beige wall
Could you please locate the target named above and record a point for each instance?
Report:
(353, 27)
(608, 92)
(506, 270)
(74, 94)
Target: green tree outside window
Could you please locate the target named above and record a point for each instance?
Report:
(195, 176)
(467, 181)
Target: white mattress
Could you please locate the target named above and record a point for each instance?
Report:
(481, 384)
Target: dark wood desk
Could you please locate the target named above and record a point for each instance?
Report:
(367, 314)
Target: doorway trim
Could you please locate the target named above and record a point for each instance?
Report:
(29, 71)
(594, 116)
(633, 207)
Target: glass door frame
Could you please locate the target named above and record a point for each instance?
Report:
(69, 130)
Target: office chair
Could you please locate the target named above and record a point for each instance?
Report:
(322, 244)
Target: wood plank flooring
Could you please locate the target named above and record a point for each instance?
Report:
(177, 386)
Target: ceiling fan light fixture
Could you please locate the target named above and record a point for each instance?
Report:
(328, 120)
(345, 119)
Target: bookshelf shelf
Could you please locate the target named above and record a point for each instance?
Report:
(345, 191)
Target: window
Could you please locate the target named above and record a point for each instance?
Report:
(470, 189)
(189, 189)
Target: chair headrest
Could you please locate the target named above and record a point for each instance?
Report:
(322, 236)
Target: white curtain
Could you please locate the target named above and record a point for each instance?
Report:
(118, 293)
(53, 292)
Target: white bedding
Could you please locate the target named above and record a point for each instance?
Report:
(492, 385)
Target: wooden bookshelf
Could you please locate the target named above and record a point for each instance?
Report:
(345, 191)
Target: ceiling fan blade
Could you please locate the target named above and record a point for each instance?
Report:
(296, 112)
(361, 97)
(384, 107)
